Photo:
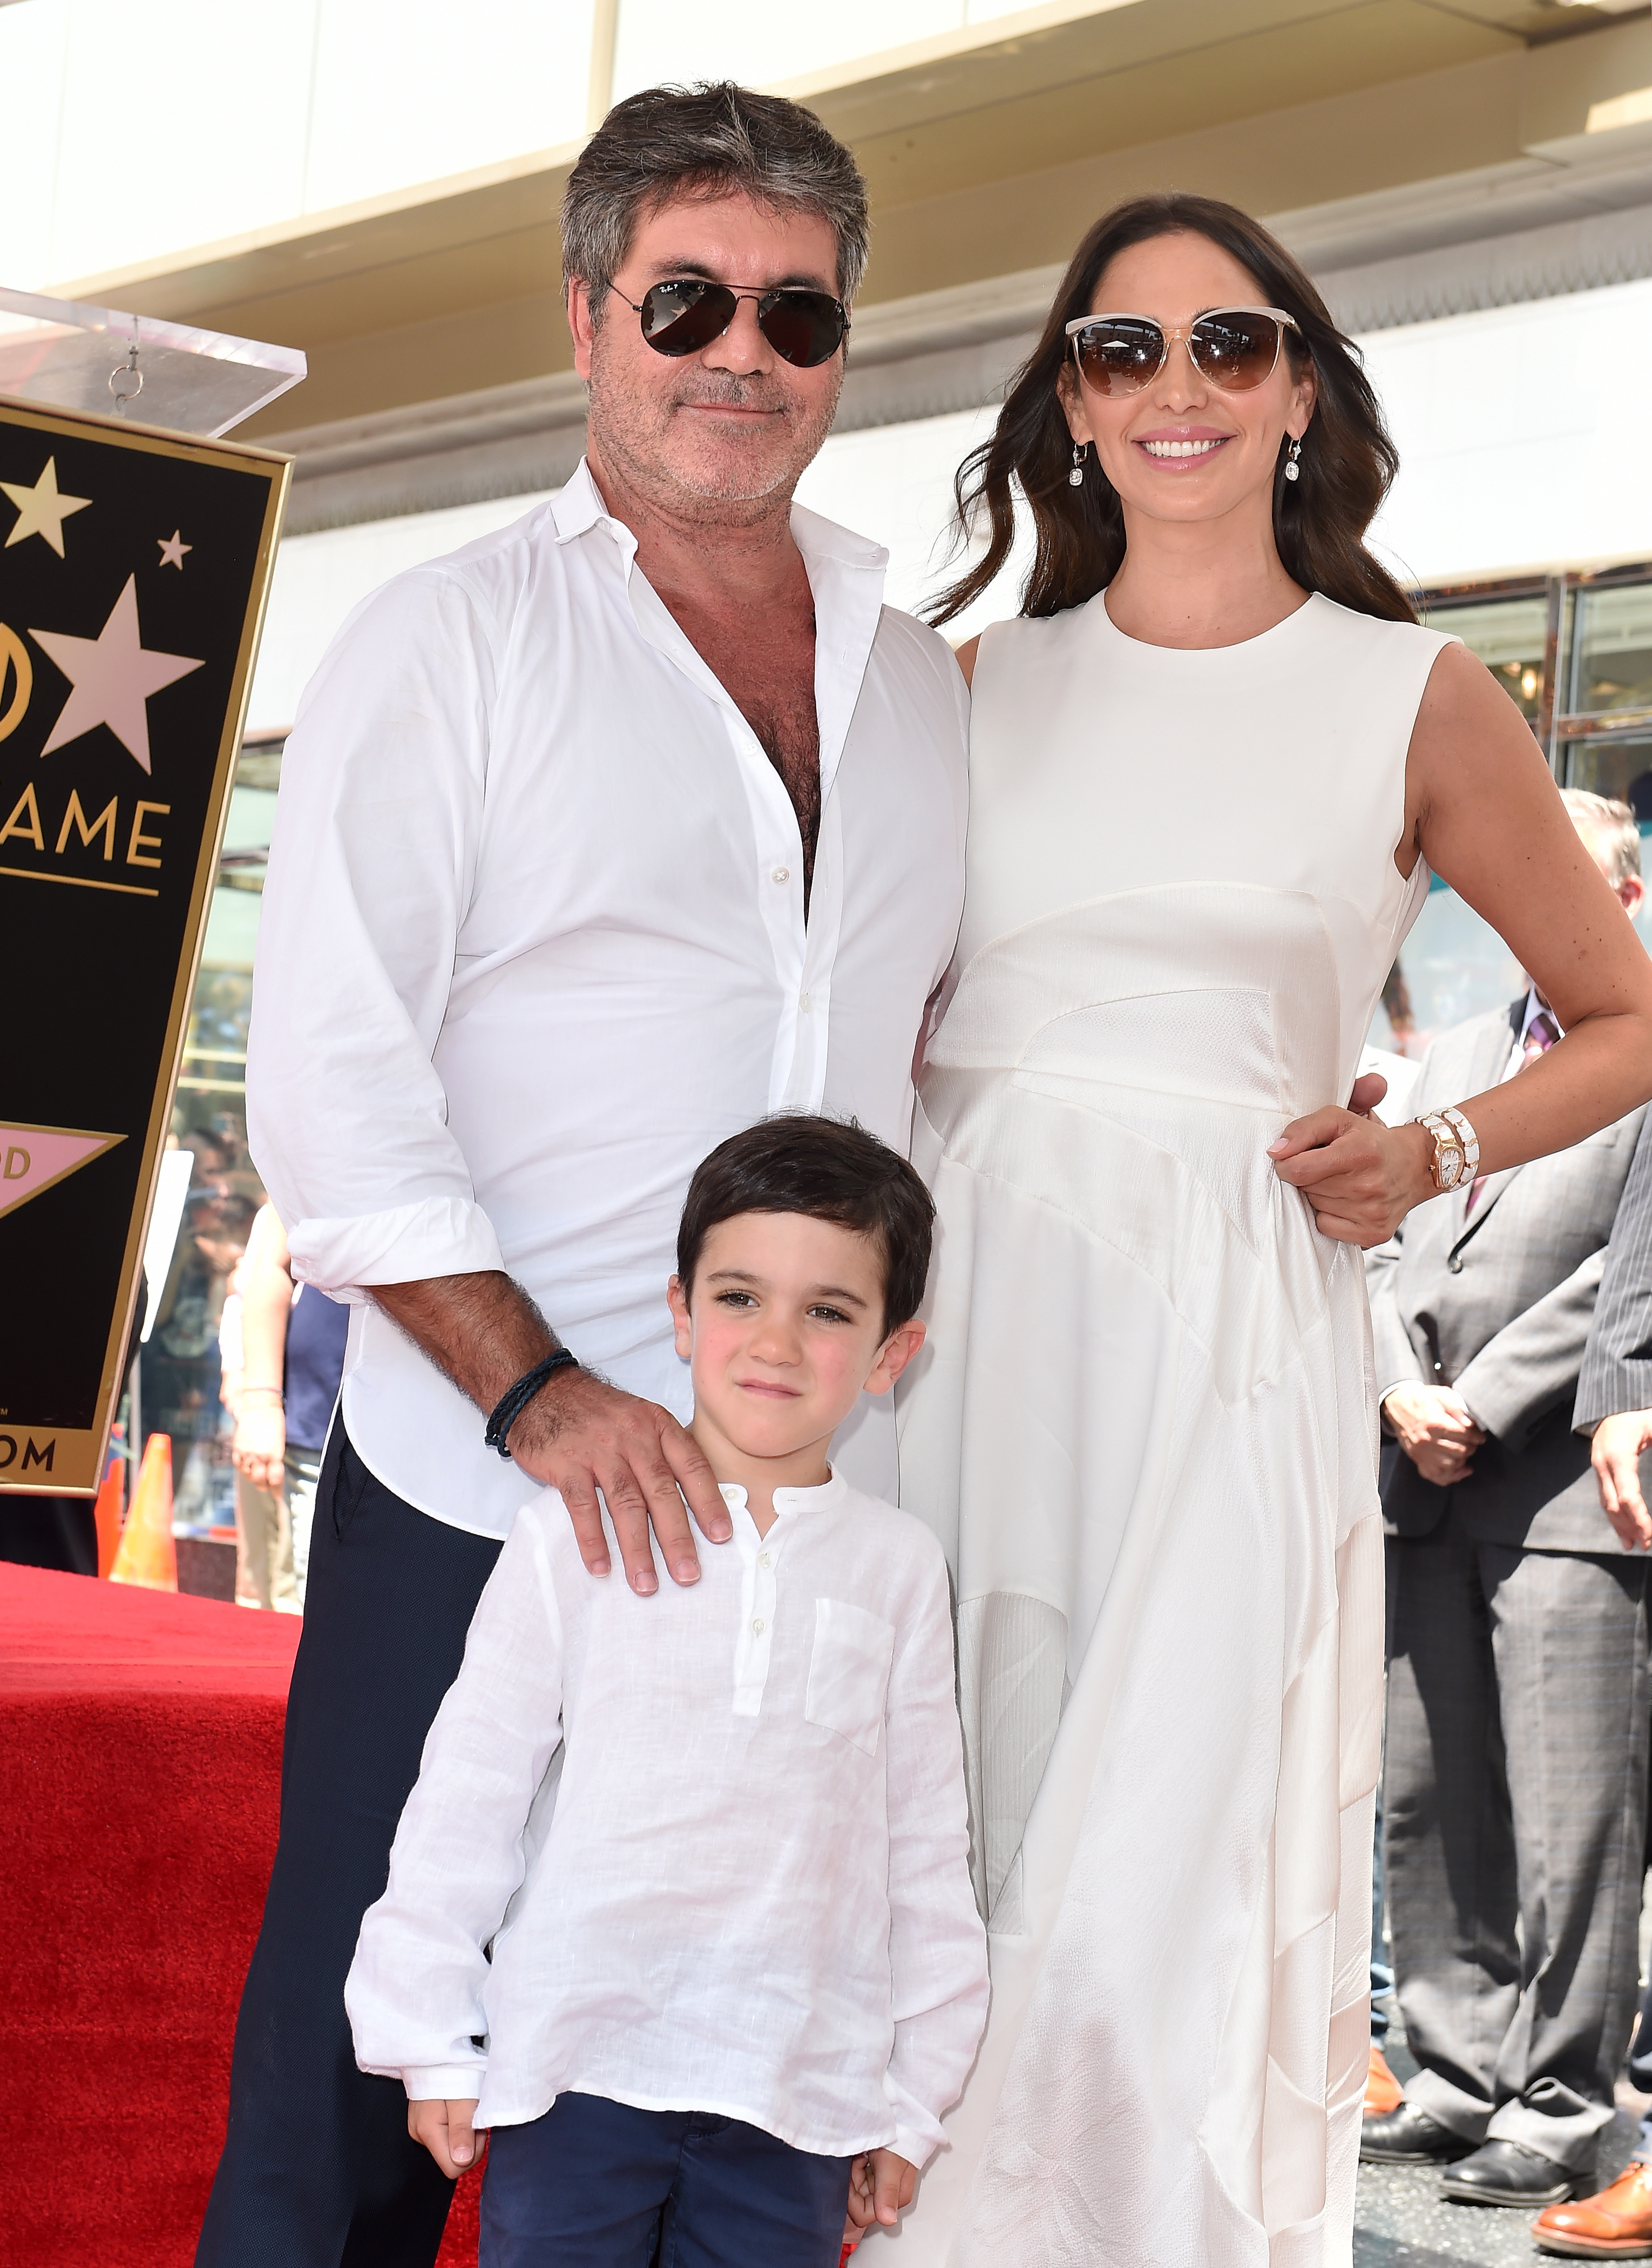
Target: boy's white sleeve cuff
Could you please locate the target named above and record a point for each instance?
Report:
(917, 2149)
(453, 2082)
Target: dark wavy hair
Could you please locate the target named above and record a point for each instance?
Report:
(1348, 463)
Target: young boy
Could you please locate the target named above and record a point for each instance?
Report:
(722, 1999)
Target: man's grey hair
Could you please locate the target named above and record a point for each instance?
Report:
(708, 140)
(1615, 824)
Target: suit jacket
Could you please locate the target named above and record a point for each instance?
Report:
(1617, 1373)
(1498, 1302)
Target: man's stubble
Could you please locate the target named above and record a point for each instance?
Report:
(738, 479)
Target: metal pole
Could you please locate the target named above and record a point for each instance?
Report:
(1550, 704)
(134, 1423)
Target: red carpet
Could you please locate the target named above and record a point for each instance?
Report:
(140, 1773)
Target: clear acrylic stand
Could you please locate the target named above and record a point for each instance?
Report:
(73, 357)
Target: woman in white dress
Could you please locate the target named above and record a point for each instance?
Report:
(1214, 765)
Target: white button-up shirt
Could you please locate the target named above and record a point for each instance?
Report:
(767, 1914)
(533, 943)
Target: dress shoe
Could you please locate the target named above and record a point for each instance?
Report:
(1382, 2089)
(1507, 2173)
(1616, 2224)
(1409, 2136)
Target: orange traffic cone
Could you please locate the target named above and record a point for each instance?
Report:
(107, 1510)
(147, 1555)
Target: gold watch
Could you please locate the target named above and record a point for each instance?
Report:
(1455, 1158)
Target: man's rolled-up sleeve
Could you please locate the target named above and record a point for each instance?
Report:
(371, 869)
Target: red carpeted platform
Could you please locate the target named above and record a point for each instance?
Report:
(140, 1776)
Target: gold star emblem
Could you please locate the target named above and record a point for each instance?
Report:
(111, 677)
(173, 548)
(42, 510)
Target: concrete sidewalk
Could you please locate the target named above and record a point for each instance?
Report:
(1403, 2222)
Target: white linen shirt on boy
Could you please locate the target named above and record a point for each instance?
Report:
(753, 1897)
(533, 943)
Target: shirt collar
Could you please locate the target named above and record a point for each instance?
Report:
(846, 574)
(578, 507)
(831, 1492)
(1535, 1006)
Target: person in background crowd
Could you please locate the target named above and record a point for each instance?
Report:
(1614, 1411)
(1516, 1778)
(263, 1538)
(294, 1339)
(615, 832)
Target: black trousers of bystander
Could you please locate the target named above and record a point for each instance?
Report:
(318, 2170)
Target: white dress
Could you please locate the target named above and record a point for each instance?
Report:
(1144, 1429)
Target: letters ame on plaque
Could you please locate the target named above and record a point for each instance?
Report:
(134, 567)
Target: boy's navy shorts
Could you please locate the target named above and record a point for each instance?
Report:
(599, 2184)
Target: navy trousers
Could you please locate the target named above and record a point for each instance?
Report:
(599, 2184)
(318, 2170)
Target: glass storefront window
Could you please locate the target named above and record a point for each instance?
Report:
(1454, 965)
(1612, 656)
(179, 1376)
(1621, 769)
(1509, 636)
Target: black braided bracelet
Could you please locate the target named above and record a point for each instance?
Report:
(515, 1399)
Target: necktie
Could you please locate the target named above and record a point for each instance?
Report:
(1541, 1034)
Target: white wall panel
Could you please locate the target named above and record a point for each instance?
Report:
(759, 42)
(33, 42)
(408, 91)
(1521, 433)
(182, 123)
(135, 131)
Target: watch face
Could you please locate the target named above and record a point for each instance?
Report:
(1451, 1167)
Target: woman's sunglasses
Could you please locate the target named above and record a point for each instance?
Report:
(1234, 348)
(805, 328)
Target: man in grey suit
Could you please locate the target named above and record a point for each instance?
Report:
(1518, 1699)
(1614, 1412)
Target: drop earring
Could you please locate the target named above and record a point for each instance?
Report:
(1076, 478)
(1292, 471)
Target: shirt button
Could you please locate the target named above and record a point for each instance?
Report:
(780, 874)
(805, 1003)
(758, 1627)
(763, 1559)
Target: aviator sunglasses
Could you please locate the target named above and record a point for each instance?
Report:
(679, 317)
(1233, 348)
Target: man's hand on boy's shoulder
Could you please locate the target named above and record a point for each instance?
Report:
(879, 2186)
(446, 2132)
(580, 1434)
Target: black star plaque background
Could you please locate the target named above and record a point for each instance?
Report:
(125, 664)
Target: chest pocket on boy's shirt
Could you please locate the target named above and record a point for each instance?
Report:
(848, 1672)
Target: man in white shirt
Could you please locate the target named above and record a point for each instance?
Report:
(597, 841)
(744, 1964)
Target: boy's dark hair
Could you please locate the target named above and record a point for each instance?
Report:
(831, 1170)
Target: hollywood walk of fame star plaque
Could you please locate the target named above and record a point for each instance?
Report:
(133, 569)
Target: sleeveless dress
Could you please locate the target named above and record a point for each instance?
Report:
(1144, 1429)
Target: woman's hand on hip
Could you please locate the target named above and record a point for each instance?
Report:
(1361, 1177)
